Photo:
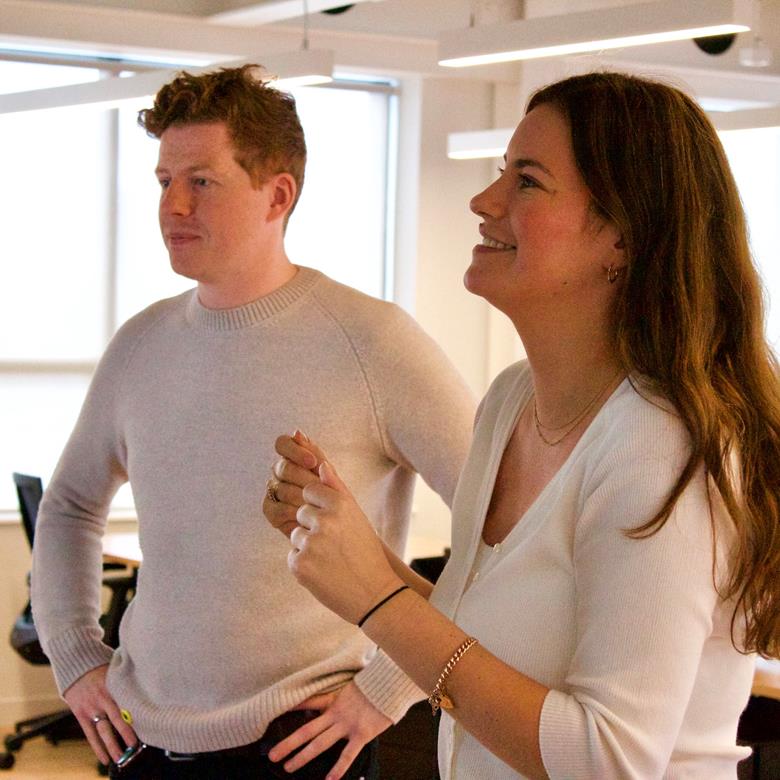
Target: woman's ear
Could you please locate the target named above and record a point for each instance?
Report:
(618, 262)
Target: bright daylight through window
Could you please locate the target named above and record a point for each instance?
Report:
(755, 159)
(82, 252)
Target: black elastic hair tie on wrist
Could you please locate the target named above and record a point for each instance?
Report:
(380, 604)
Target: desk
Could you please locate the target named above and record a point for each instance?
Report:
(122, 548)
(766, 681)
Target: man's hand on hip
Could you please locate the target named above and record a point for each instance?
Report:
(99, 716)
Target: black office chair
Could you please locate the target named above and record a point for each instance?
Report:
(62, 724)
(759, 729)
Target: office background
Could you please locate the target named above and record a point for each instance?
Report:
(384, 207)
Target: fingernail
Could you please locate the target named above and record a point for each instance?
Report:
(299, 434)
(324, 470)
(309, 460)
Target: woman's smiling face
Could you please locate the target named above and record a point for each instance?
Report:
(542, 241)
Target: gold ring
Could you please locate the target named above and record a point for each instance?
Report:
(270, 491)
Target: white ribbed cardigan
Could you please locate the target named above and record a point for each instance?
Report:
(630, 635)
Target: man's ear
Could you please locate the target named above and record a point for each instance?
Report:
(620, 244)
(282, 191)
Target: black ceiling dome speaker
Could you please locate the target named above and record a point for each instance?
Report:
(715, 44)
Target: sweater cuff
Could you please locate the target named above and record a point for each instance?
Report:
(387, 688)
(74, 653)
(560, 718)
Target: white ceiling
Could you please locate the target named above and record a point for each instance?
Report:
(394, 35)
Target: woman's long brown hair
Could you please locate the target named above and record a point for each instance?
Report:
(689, 314)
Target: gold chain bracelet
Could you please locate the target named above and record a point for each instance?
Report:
(439, 698)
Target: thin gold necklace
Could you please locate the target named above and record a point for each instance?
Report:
(571, 424)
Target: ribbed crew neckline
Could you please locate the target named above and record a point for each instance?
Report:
(256, 311)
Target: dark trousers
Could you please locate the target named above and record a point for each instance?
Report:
(248, 762)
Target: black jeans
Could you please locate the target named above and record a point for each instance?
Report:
(249, 762)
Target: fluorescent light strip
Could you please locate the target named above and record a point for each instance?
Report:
(478, 154)
(309, 80)
(306, 67)
(585, 46)
(550, 36)
(477, 144)
(485, 144)
(59, 54)
(749, 119)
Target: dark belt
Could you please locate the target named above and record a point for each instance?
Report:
(277, 730)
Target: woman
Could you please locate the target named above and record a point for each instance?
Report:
(616, 540)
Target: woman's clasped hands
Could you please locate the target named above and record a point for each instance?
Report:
(336, 553)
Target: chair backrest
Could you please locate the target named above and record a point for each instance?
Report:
(29, 490)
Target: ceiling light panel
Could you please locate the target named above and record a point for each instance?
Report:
(611, 28)
(287, 70)
(477, 144)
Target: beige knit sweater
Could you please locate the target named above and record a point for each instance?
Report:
(186, 404)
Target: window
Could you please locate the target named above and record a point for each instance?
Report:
(751, 152)
(345, 161)
(83, 250)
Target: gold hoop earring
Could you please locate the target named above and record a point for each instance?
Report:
(612, 274)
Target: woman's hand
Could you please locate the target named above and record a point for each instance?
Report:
(336, 554)
(345, 714)
(296, 468)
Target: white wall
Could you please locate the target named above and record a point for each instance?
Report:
(479, 341)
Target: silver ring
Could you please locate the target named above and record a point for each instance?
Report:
(270, 491)
(97, 718)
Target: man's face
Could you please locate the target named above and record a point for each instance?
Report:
(214, 222)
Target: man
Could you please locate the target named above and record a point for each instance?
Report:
(222, 654)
